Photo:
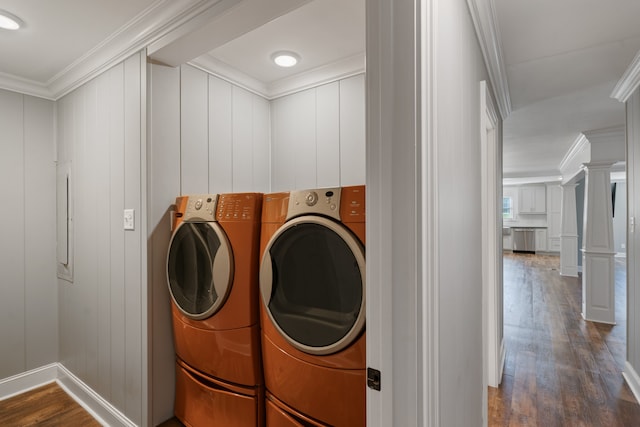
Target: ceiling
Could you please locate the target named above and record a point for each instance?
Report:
(562, 58)
(53, 37)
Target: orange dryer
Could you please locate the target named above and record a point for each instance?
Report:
(212, 271)
(312, 284)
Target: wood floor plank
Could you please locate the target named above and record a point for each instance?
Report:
(45, 406)
(560, 370)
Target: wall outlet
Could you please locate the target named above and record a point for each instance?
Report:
(129, 219)
(623, 246)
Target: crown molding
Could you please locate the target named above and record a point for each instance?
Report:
(324, 74)
(614, 134)
(24, 86)
(213, 66)
(579, 145)
(547, 179)
(488, 33)
(629, 81)
(160, 18)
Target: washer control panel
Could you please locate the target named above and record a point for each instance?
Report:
(324, 201)
(201, 207)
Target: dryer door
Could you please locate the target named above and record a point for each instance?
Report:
(312, 281)
(199, 268)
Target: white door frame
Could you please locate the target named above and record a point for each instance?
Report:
(402, 234)
(492, 275)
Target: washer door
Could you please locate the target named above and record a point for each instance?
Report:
(312, 281)
(199, 268)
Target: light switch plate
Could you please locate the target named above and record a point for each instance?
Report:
(129, 219)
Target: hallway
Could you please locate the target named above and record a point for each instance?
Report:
(560, 370)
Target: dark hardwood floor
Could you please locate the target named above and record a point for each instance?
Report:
(560, 370)
(45, 406)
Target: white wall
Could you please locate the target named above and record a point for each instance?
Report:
(28, 302)
(620, 218)
(632, 370)
(102, 312)
(459, 69)
(318, 137)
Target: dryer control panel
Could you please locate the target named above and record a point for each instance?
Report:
(324, 201)
(201, 207)
(239, 207)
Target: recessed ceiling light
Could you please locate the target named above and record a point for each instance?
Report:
(285, 59)
(9, 21)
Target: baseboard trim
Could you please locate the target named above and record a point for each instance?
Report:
(633, 379)
(29, 380)
(104, 412)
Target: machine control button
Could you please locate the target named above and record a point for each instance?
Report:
(311, 198)
(198, 204)
(332, 206)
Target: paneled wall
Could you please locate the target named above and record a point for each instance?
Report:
(632, 370)
(101, 313)
(28, 308)
(459, 68)
(224, 135)
(318, 137)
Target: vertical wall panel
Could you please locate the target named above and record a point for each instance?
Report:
(65, 153)
(133, 242)
(633, 239)
(12, 262)
(220, 136)
(78, 330)
(283, 156)
(303, 130)
(117, 180)
(89, 232)
(261, 151)
(242, 118)
(41, 311)
(194, 130)
(328, 135)
(103, 236)
(163, 187)
(352, 131)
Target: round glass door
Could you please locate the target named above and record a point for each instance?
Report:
(312, 281)
(199, 268)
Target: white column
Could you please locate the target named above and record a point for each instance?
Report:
(598, 285)
(568, 232)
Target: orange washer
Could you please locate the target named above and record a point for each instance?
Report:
(212, 270)
(313, 274)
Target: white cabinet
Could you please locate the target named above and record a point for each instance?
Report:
(507, 244)
(541, 239)
(532, 200)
